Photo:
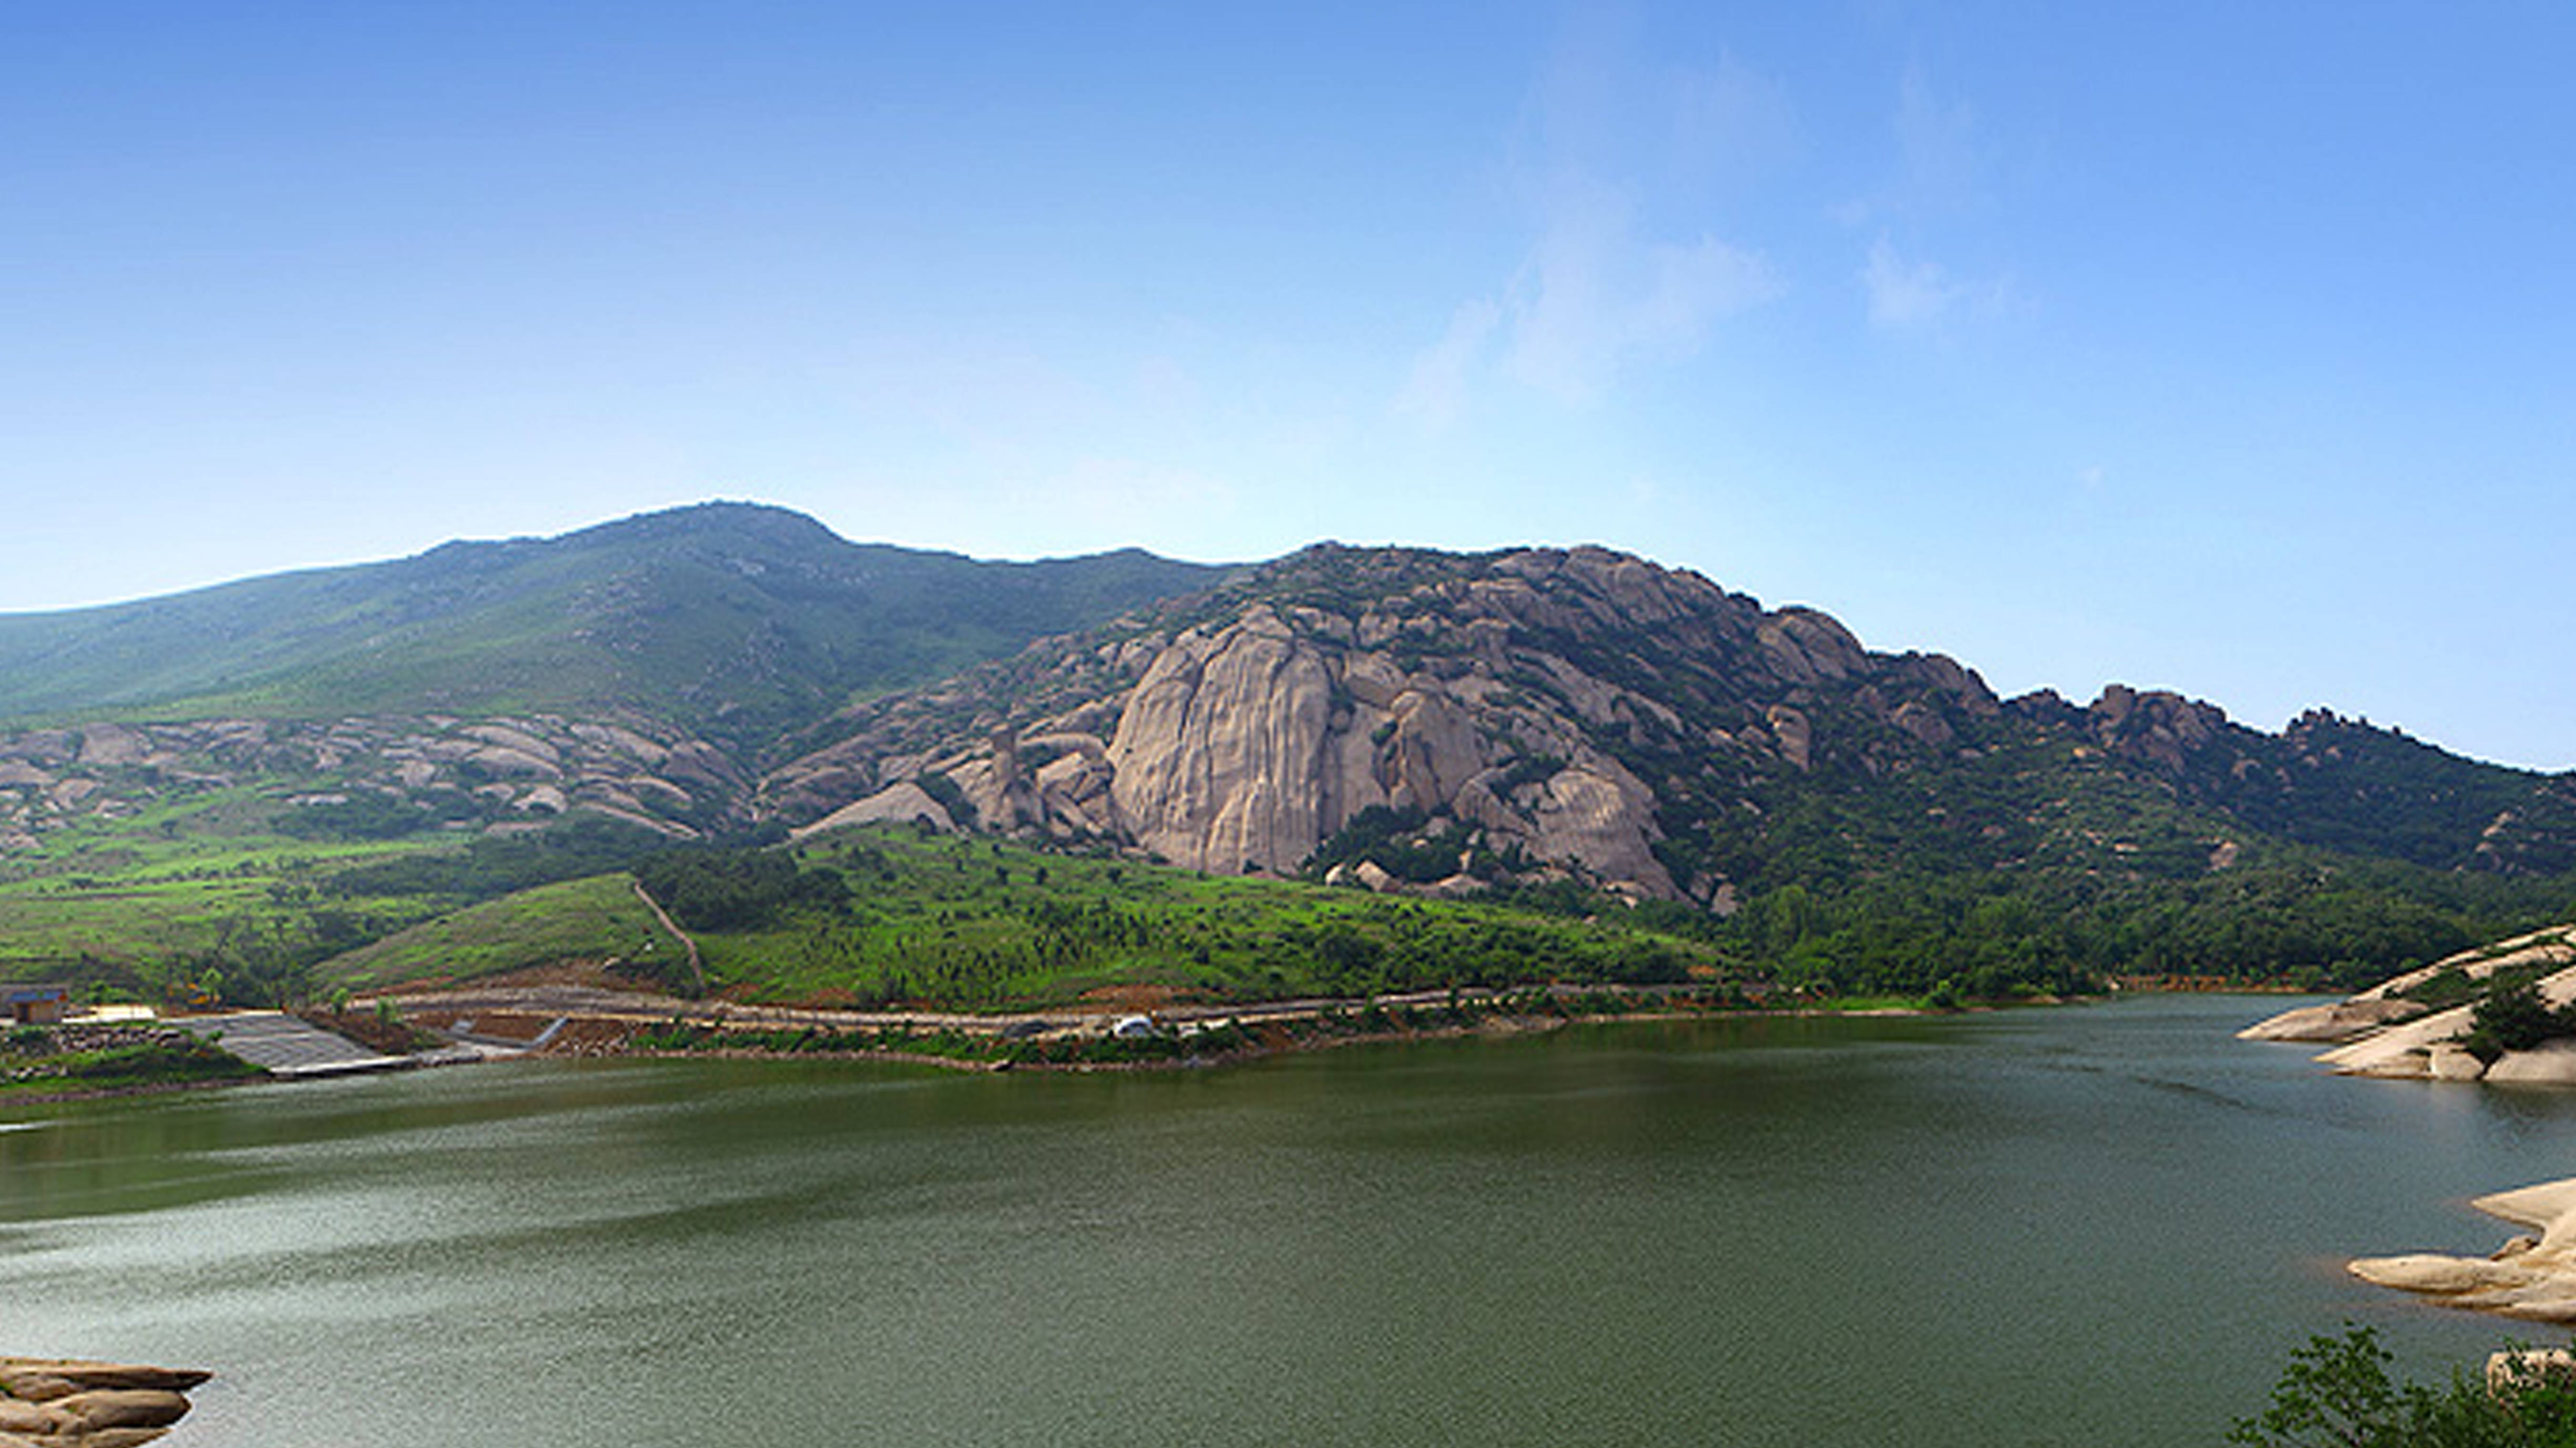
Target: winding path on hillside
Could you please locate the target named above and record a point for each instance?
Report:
(697, 974)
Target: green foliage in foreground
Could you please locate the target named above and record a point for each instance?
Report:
(490, 867)
(710, 888)
(157, 905)
(2337, 1393)
(145, 907)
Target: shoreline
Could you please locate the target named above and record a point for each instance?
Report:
(1233, 1057)
(1201, 1036)
(2532, 1277)
(1074, 1041)
(132, 1088)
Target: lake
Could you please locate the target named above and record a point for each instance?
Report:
(2097, 1225)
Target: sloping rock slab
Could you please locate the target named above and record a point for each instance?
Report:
(78, 1403)
(2533, 1279)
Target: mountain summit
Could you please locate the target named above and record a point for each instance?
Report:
(733, 619)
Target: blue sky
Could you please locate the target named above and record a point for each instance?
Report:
(2218, 347)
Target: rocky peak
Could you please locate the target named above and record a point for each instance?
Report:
(1532, 695)
(2156, 727)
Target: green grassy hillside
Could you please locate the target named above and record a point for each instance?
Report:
(145, 904)
(874, 918)
(598, 919)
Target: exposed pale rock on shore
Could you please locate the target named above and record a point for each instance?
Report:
(2529, 1277)
(2378, 1032)
(75, 1403)
(2335, 1021)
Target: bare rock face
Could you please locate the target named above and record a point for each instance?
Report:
(1537, 710)
(1795, 735)
(108, 745)
(76, 1403)
(1598, 815)
(1219, 759)
(2381, 1033)
(1501, 696)
(1247, 746)
(1810, 647)
(902, 803)
(2334, 1022)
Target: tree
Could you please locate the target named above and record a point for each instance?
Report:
(2514, 1016)
(2336, 1393)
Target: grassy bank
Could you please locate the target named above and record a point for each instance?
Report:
(47, 1062)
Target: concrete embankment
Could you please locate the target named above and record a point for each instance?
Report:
(282, 1045)
(76, 1403)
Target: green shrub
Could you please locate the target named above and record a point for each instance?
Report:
(2513, 1015)
(2337, 1393)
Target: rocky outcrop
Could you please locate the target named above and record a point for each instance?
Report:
(465, 771)
(2381, 1032)
(2159, 728)
(904, 803)
(1223, 757)
(74, 1403)
(1542, 699)
(2334, 1022)
(2531, 1277)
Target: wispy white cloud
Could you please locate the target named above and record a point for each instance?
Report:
(1594, 296)
(1941, 167)
(1693, 286)
(1914, 293)
(1938, 146)
(1731, 124)
(1606, 284)
(1906, 293)
(1435, 392)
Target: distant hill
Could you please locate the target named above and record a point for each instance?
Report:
(729, 620)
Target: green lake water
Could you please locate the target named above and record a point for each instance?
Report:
(2100, 1225)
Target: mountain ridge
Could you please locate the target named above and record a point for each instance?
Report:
(698, 613)
(1668, 705)
(1564, 725)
